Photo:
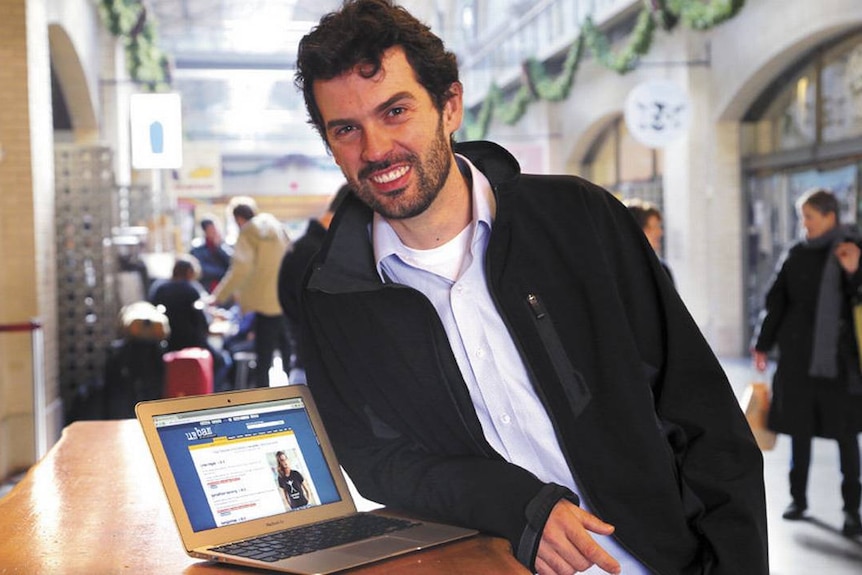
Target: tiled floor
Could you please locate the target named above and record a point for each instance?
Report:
(813, 546)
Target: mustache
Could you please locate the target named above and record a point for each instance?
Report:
(372, 167)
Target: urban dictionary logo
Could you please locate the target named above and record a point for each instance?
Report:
(199, 433)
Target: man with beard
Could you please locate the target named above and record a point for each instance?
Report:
(503, 350)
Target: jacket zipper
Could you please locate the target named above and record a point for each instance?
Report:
(566, 373)
(562, 366)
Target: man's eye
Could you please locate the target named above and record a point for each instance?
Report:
(344, 130)
(397, 111)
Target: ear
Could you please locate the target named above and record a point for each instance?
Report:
(453, 109)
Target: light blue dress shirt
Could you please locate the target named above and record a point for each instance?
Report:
(452, 276)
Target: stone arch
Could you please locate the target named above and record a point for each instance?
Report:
(587, 139)
(76, 92)
(771, 52)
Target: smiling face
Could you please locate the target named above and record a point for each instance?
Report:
(389, 139)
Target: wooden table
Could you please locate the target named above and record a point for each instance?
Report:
(94, 505)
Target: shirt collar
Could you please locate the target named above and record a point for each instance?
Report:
(386, 242)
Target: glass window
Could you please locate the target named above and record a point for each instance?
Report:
(819, 103)
(792, 114)
(842, 91)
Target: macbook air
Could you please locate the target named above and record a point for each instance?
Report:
(252, 479)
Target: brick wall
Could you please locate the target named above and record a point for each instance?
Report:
(26, 212)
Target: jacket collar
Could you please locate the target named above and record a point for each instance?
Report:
(498, 165)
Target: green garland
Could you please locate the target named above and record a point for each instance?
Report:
(147, 64)
(625, 61)
(538, 84)
(701, 16)
(556, 89)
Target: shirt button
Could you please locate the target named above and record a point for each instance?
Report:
(506, 419)
(480, 353)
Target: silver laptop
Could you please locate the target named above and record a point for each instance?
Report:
(252, 479)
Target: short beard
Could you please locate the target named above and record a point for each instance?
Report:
(430, 174)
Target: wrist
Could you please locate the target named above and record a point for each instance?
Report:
(536, 513)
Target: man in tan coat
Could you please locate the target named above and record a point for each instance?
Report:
(253, 280)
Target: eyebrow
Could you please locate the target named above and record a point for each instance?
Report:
(403, 95)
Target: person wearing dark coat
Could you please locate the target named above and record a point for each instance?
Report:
(182, 298)
(292, 272)
(817, 387)
(503, 350)
(650, 220)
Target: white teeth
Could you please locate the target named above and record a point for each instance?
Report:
(390, 176)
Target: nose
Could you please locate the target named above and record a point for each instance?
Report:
(376, 145)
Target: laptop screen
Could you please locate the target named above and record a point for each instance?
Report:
(238, 463)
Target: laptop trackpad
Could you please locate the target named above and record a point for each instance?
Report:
(383, 546)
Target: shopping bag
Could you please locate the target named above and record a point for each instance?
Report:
(857, 327)
(755, 402)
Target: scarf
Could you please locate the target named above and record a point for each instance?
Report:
(824, 350)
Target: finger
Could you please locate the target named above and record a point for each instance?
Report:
(594, 553)
(549, 562)
(594, 524)
(544, 568)
(571, 545)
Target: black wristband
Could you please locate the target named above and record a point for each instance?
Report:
(536, 513)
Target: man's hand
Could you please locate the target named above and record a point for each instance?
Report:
(848, 256)
(567, 547)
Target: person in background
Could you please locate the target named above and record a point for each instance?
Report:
(650, 220)
(252, 279)
(292, 483)
(212, 253)
(817, 386)
(292, 271)
(183, 300)
(503, 350)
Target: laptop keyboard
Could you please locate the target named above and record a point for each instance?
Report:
(301, 540)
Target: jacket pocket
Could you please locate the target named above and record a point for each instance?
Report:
(575, 388)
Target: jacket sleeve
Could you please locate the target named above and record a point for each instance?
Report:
(769, 322)
(241, 267)
(388, 467)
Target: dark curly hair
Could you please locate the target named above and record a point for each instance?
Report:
(357, 35)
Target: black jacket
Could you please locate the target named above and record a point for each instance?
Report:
(641, 407)
(188, 322)
(801, 404)
(290, 276)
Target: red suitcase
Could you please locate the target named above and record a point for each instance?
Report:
(188, 371)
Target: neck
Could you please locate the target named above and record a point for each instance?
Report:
(444, 219)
